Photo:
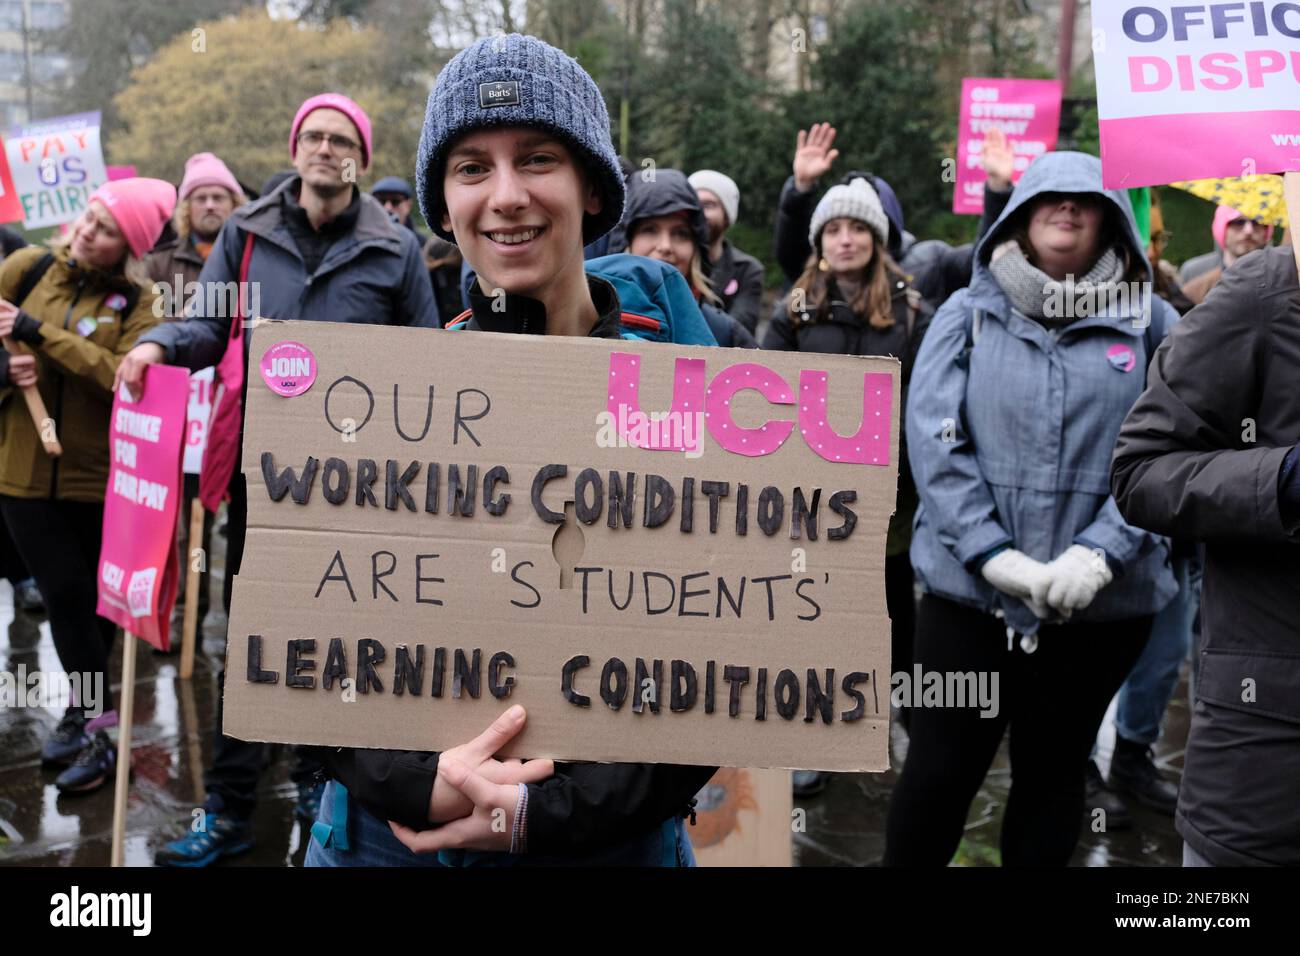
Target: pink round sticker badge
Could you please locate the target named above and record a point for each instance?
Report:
(1121, 357)
(289, 368)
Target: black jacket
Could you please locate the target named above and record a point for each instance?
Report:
(584, 805)
(935, 273)
(738, 280)
(10, 241)
(1201, 456)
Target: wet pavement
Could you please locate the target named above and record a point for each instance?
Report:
(172, 742)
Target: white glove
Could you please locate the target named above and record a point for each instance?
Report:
(1076, 577)
(1017, 574)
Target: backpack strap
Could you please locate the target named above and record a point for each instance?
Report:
(33, 276)
(974, 321)
(237, 326)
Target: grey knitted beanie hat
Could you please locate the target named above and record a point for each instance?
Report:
(858, 200)
(517, 80)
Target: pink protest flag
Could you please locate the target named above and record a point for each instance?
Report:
(137, 565)
(11, 208)
(1027, 111)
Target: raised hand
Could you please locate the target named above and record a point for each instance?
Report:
(998, 159)
(813, 155)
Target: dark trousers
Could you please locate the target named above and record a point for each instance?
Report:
(59, 542)
(900, 599)
(231, 782)
(1053, 700)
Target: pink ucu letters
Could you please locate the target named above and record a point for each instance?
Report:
(868, 446)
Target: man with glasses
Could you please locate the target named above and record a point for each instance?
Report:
(394, 194)
(1236, 235)
(315, 248)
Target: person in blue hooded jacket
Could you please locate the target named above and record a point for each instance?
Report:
(1027, 567)
(521, 188)
(664, 220)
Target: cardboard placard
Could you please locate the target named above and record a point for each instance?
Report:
(1196, 92)
(447, 523)
(138, 577)
(1027, 111)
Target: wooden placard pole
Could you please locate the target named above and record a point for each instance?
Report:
(126, 713)
(1291, 190)
(193, 576)
(36, 407)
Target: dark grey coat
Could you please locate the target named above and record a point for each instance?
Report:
(1199, 457)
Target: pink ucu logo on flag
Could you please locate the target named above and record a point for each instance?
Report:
(696, 398)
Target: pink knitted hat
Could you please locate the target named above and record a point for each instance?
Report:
(1224, 215)
(334, 101)
(140, 207)
(204, 169)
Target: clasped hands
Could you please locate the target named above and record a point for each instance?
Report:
(475, 794)
(1068, 584)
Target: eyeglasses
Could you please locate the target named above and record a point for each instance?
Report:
(390, 199)
(1244, 222)
(1161, 240)
(312, 139)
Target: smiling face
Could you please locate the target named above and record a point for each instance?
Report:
(1065, 230)
(667, 238)
(96, 240)
(322, 166)
(847, 246)
(515, 200)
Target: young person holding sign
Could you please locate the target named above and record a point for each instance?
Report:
(1028, 568)
(75, 309)
(517, 168)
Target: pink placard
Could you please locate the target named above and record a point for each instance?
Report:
(1196, 92)
(137, 565)
(1028, 111)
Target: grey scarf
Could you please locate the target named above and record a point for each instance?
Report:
(1055, 304)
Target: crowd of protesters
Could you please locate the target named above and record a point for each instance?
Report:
(1077, 508)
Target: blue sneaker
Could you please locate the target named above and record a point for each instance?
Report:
(223, 835)
(68, 740)
(309, 797)
(95, 766)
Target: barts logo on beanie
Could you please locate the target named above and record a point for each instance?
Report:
(500, 93)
